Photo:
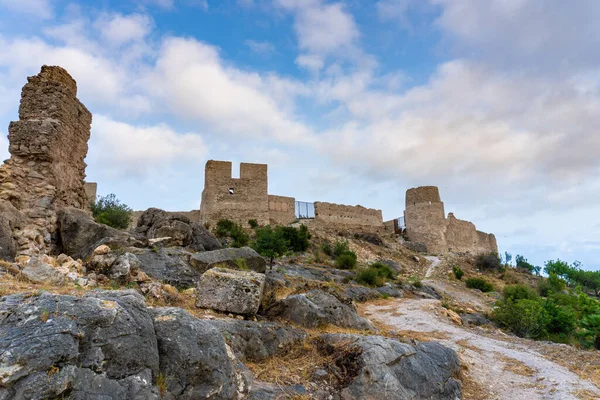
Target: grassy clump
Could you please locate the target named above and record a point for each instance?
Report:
(228, 228)
(480, 283)
(109, 210)
(458, 272)
(375, 275)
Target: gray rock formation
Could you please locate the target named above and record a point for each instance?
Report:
(255, 342)
(317, 308)
(11, 220)
(80, 234)
(227, 258)
(238, 292)
(392, 370)
(108, 345)
(194, 357)
(169, 265)
(156, 223)
(40, 272)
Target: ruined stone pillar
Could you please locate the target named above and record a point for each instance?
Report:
(425, 219)
(48, 144)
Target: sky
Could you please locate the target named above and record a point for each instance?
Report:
(496, 102)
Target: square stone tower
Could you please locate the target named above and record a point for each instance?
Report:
(237, 199)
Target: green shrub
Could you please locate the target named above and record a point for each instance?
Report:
(297, 238)
(524, 265)
(489, 261)
(418, 284)
(340, 247)
(108, 210)
(346, 260)
(383, 270)
(524, 317)
(518, 292)
(561, 320)
(369, 277)
(590, 333)
(479, 283)
(551, 285)
(458, 272)
(270, 243)
(227, 228)
(253, 223)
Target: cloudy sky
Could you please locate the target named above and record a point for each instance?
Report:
(497, 102)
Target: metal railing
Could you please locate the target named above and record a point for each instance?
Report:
(305, 210)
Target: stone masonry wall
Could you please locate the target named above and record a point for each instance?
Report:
(238, 199)
(347, 215)
(426, 223)
(48, 145)
(282, 210)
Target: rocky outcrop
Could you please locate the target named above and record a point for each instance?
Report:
(388, 369)
(46, 169)
(108, 345)
(169, 265)
(229, 258)
(79, 234)
(194, 358)
(156, 223)
(237, 292)
(316, 309)
(38, 271)
(11, 223)
(256, 342)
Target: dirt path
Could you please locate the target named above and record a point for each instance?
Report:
(497, 369)
(434, 263)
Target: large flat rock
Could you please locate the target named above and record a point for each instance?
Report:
(229, 258)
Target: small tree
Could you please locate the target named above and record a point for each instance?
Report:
(110, 211)
(270, 243)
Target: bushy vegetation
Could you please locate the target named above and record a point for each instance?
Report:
(344, 257)
(375, 275)
(110, 211)
(270, 243)
(458, 272)
(488, 262)
(479, 283)
(274, 242)
(574, 275)
(557, 315)
(253, 223)
(524, 265)
(228, 228)
(346, 260)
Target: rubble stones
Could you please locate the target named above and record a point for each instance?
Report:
(226, 290)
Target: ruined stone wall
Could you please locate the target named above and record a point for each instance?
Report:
(282, 210)
(237, 199)
(427, 224)
(91, 189)
(48, 145)
(347, 215)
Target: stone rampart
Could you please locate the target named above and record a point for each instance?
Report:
(426, 223)
(282, 210)
(237, 199)
(48, 146)
(347, 215)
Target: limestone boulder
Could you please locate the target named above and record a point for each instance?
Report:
(98, 346)
(231, 291)
(40, 272)
(80, 234)
(124, 265)
(389, 369)
(258, 341)
(195, 355)
(316, 309)
(230, 258)
(181, 231)
(168, 265)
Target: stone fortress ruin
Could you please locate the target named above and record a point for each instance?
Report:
(46, 171)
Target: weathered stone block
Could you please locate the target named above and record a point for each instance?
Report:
(238, 292)
(228, 258)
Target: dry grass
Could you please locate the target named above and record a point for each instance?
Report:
(516, 367)
(294, 367)
(585, 363)
(471, 388)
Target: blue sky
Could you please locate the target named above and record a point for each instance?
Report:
(495, 102)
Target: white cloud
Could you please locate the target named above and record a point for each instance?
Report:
(192, 81)
(260, 47)
(322, 29)
(125, 149)
(120, 29)
(38, 8)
